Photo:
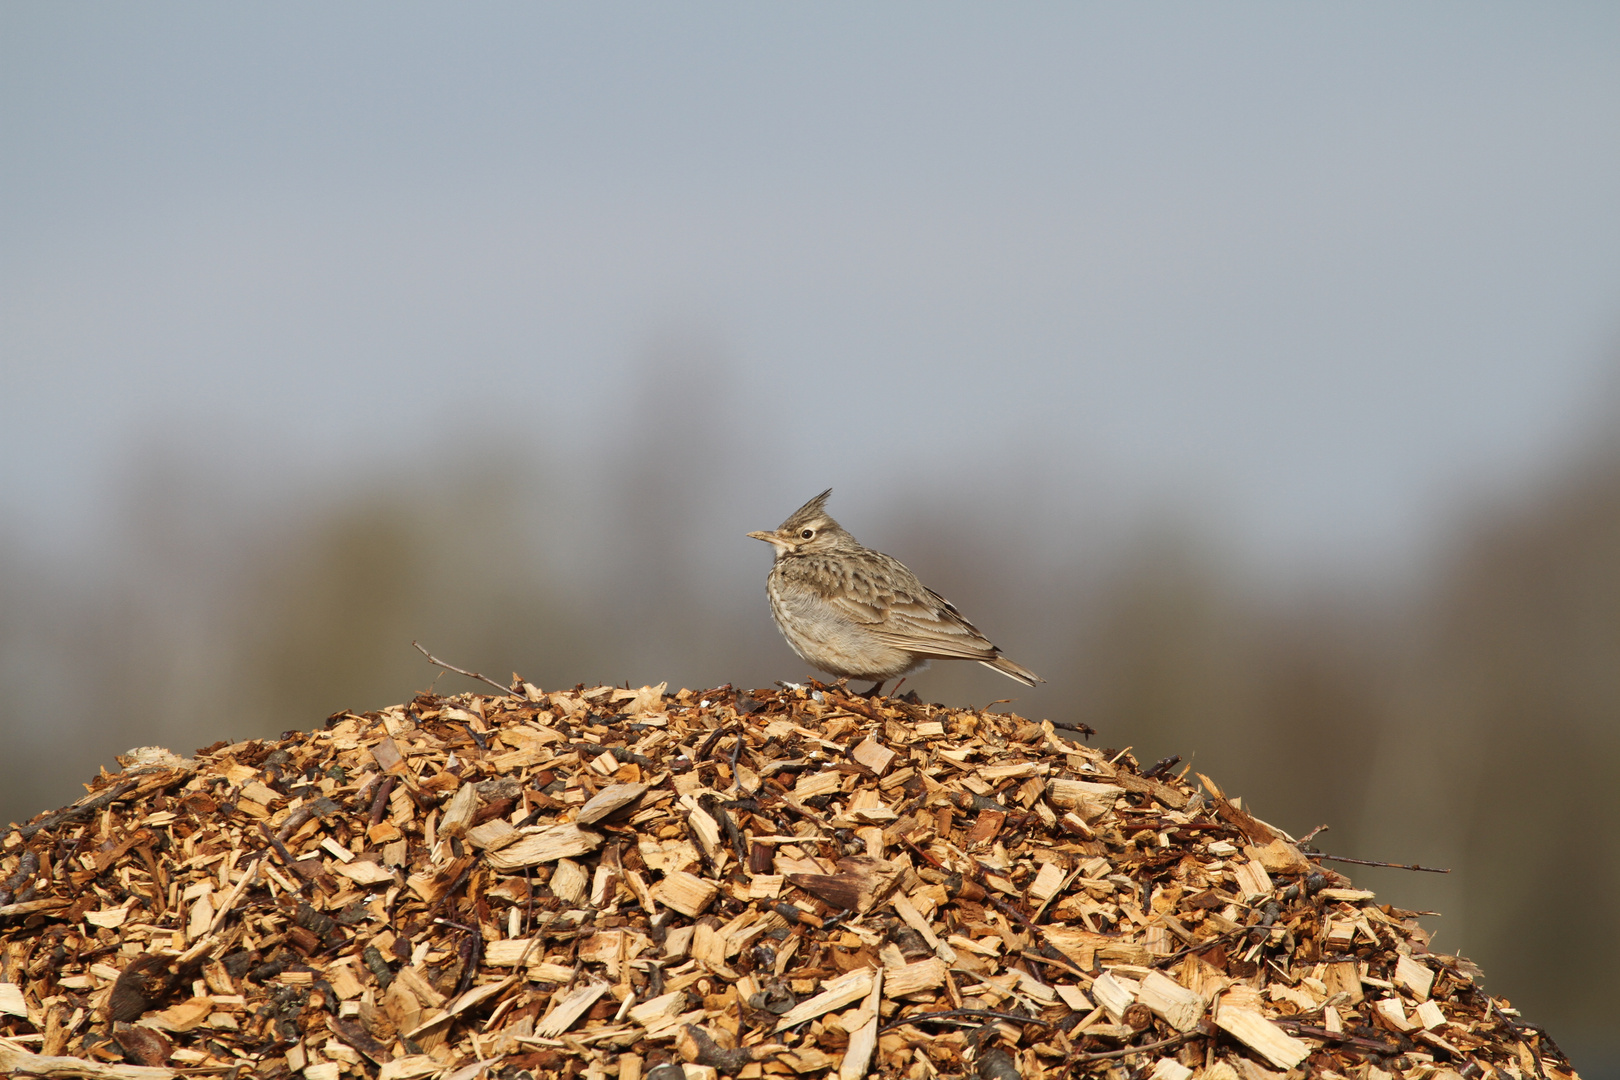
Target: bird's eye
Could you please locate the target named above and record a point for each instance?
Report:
(807, 534)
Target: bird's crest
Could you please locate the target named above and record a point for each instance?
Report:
(814, 510)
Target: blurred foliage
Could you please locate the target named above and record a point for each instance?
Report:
(326, 613)
(1519, 688)
(1471, 722)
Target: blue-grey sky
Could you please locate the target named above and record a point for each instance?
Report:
(1310, 269)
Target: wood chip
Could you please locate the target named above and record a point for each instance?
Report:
(873, 754)
(811, 785)
(558, 842)
(1414, 977)
(912, 978)
(839, 992)
(1047, 882)
(570, 1008)
(1169, 1069)
(1262, 1036)
(15, 1061)
(863, 1037)
(493, 835)
(1181, 1008)
(1114, 994)
(609, 801)
(687, 893)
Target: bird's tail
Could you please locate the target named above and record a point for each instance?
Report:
(1012, 670)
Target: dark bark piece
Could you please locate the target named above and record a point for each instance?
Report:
(354, 1034)
(710, 1053)
(147, 983)
(143, 1045)
(997, 1064)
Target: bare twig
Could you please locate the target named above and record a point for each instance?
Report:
(1160, 767)
(1109, 1055)
(1342, 1038)
(249, 876)
(1372, 862)
(1201, 946)
(379, 804)
(84, 809)
(954, 1014)
(1307, 837)
(294, 820)
(1050, 961)
(436, 662)
(1519, 1030)
(300, 870)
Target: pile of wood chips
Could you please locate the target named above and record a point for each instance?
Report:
(625, 883)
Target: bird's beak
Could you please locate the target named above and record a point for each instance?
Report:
(777, 545)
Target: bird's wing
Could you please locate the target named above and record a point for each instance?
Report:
(932, 626)
(901, 611)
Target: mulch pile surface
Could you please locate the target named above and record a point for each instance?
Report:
(627, 883)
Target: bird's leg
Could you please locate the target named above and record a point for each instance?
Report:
(876, 691)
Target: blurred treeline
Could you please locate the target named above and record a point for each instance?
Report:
(1467, 716)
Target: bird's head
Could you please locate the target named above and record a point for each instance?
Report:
(809, 531)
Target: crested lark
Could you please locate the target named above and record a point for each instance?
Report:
(860, 614)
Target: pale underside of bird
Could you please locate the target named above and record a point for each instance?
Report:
(860, 614)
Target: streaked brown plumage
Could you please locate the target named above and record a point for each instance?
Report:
(860, 614)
